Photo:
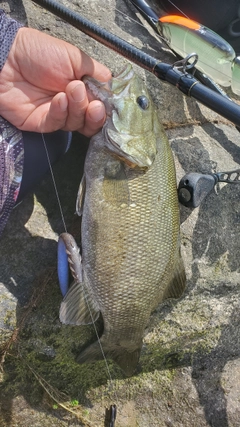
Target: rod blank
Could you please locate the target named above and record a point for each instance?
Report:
(186, 83)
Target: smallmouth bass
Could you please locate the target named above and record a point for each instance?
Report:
(130, 224)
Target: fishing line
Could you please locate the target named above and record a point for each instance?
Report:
(129, 18)
(101, 347)
(85, 295)
(54, 184)
(173, 4)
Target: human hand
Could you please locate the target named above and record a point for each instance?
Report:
(41, 88)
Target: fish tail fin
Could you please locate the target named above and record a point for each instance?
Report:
(125, 359)
(90, 354)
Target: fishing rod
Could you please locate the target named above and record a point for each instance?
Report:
(179, 32)
(172, 74)
(217, 64)
(176, 30)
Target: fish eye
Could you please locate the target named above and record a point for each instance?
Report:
(143, 102)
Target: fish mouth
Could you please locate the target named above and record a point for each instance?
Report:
(104, 91)
(118, 140)
(100, 90)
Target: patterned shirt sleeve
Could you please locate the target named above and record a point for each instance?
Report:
(11, 140)
(8, 31)
(11, 168)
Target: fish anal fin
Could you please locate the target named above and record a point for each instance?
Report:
(178, 283)
(126, 360)
(77, 308)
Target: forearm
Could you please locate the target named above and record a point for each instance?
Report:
(8, 30)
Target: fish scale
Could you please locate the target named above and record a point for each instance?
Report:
(130, 224)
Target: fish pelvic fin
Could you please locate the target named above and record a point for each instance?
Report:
(178, 283)
(77, 307)
(126, 360)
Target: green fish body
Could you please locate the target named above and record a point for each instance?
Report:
(130, 224)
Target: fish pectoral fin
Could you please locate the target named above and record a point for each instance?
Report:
(77, 308)
(127, 360)
(81, 196)
(178, 282)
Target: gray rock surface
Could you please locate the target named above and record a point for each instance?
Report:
(190, 363)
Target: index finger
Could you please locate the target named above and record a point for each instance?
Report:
(86, 65)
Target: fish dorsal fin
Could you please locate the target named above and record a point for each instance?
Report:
(178, 282)
(81, 196)
(75, 310)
